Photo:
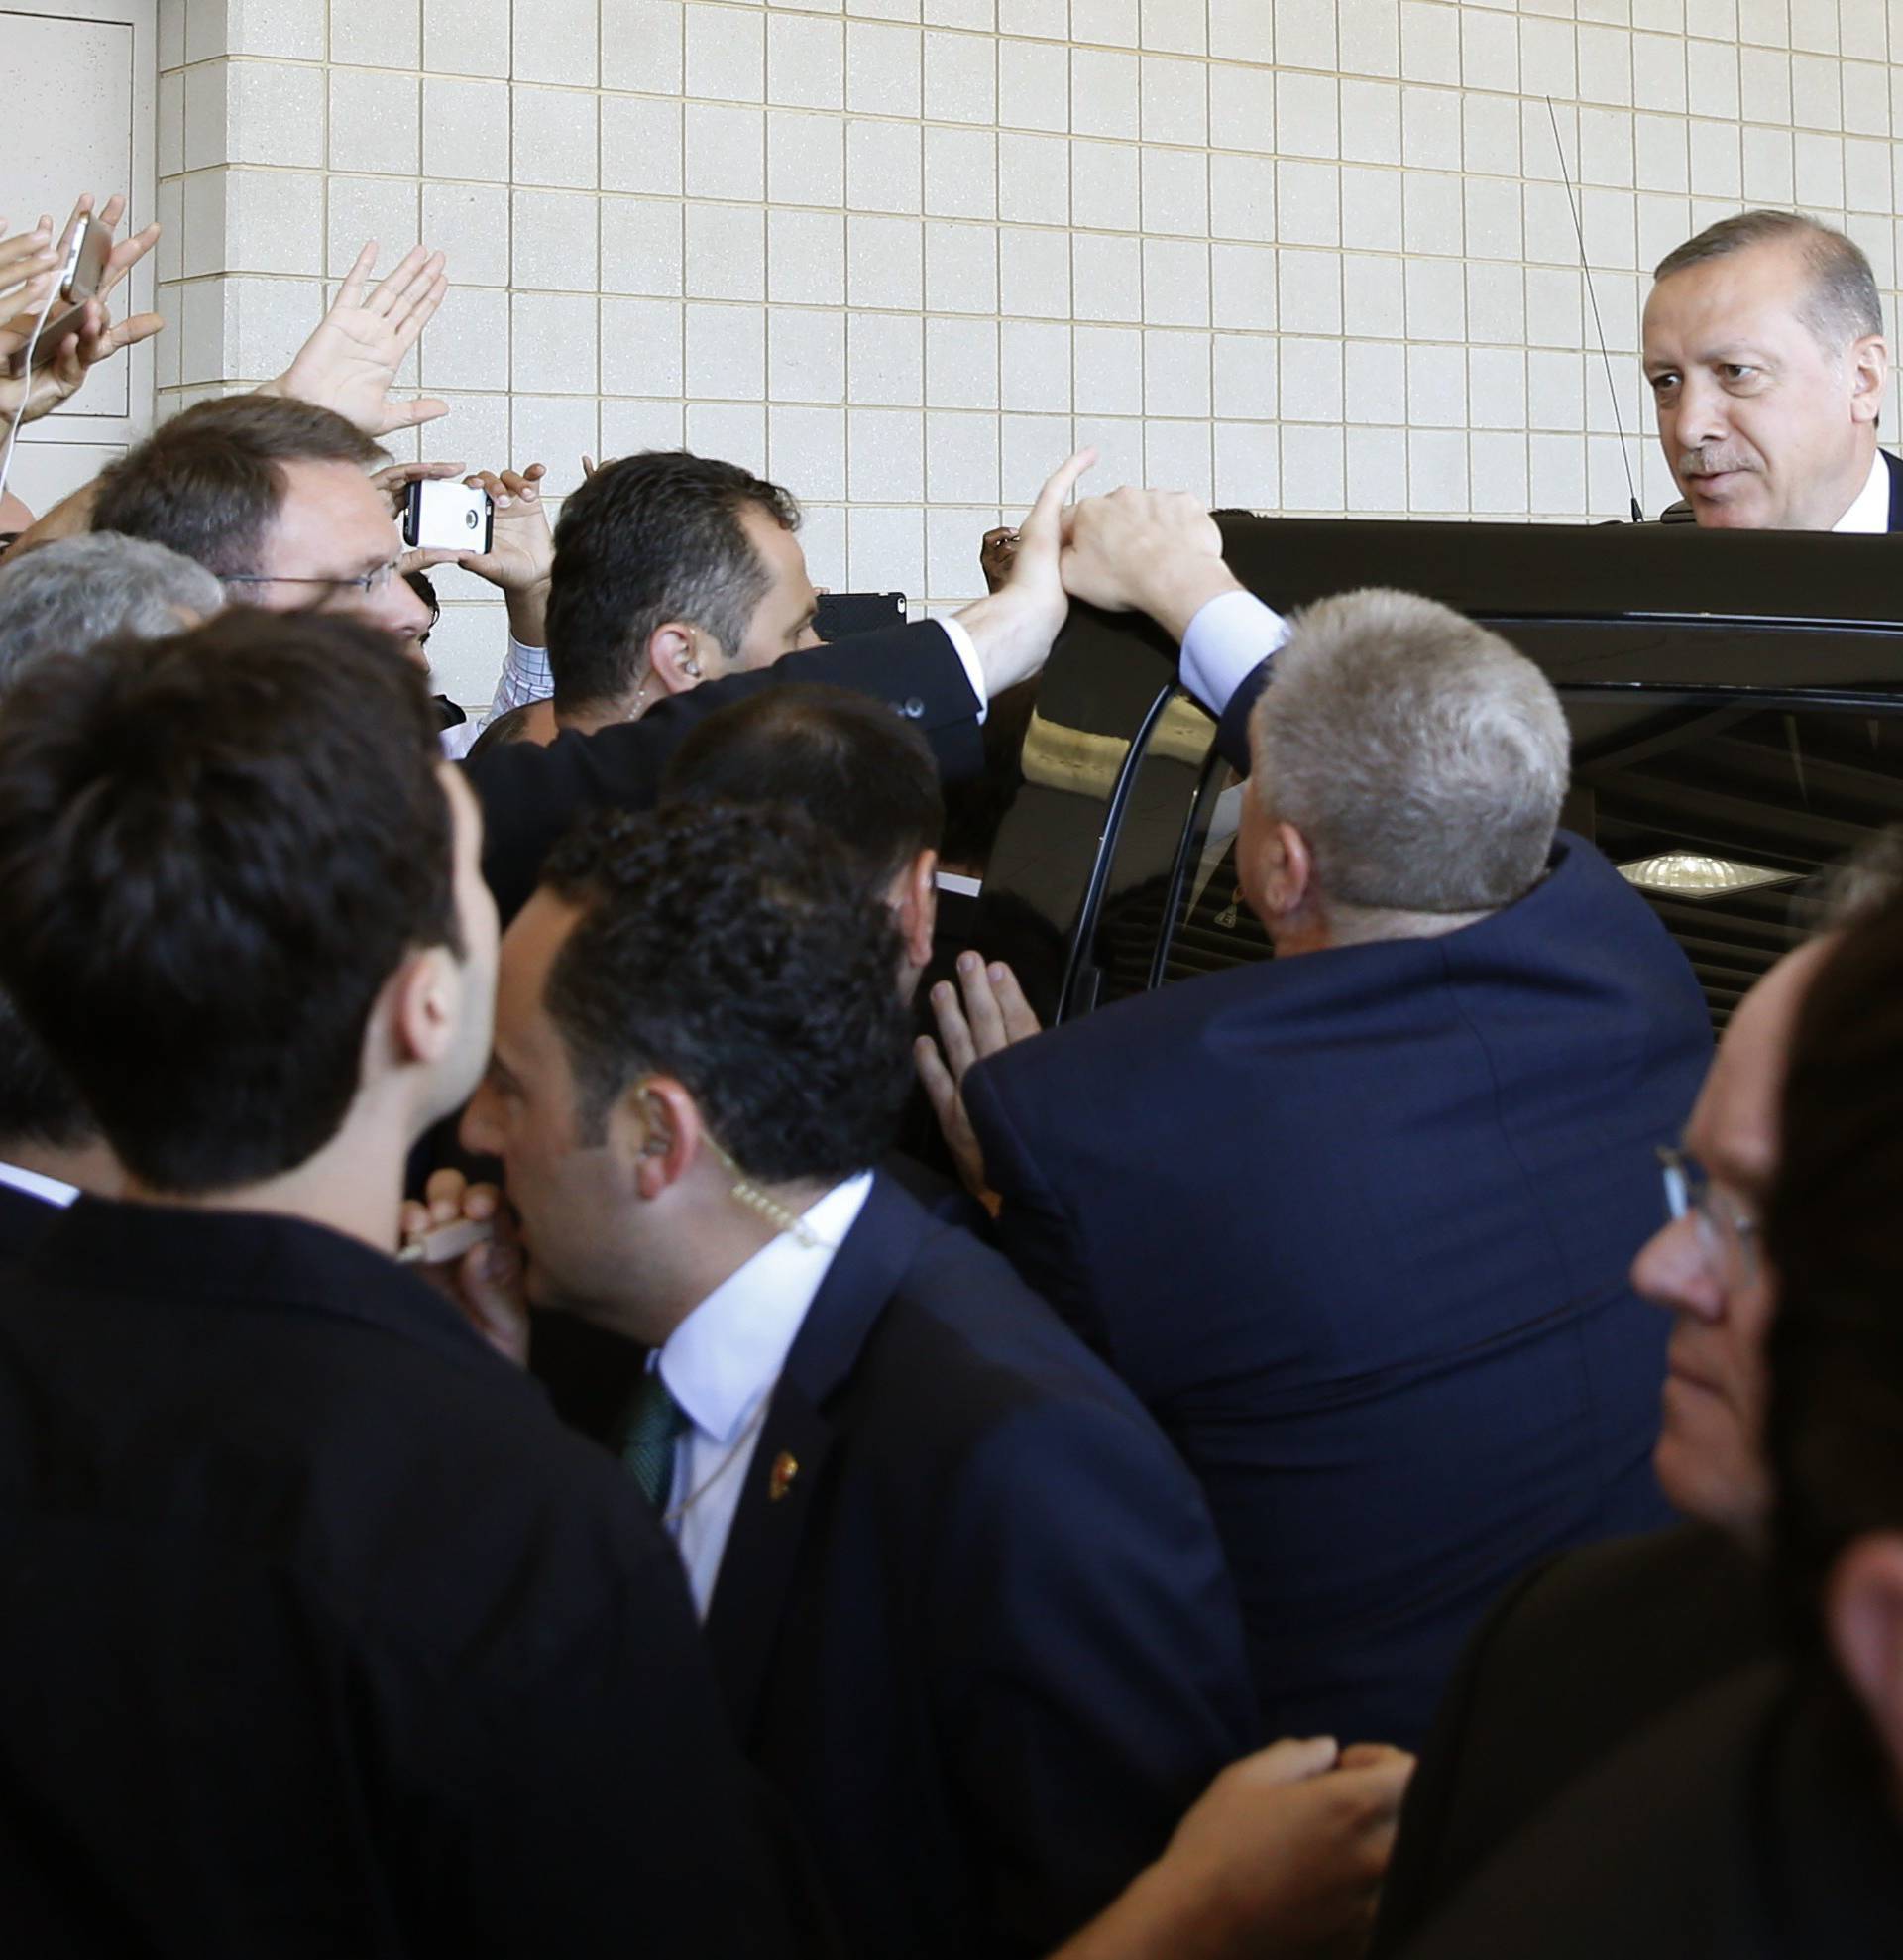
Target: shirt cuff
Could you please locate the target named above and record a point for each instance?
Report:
(966, 649)
(525, 677)
(1228, 640)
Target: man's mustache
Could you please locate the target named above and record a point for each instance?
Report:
(1711, 462)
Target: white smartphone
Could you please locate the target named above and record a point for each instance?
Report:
(88, 250)
(447, 517)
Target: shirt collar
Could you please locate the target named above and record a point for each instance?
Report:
(35, 1184)
(1870, 512)
(723, 1360)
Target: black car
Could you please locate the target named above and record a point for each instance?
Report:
(1736, 702)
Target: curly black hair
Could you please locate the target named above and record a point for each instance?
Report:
(738, 951)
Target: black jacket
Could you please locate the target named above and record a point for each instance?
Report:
(320, 1635)
(971, 1619)
(530, 794)
(1751, 1823)
(24, 1222)
(1581, 1654)
(1356, 1227)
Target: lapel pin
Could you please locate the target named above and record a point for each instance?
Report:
(780, 1481)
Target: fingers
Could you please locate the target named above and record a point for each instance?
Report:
(410, 415)
(1293, 1760)
(351, 293)
(1019, 1020)
(941, 1091)
(982, 1009)
(426, 558)
(125, 255)
(1041, 525)
(406, 281)
(955, 1032)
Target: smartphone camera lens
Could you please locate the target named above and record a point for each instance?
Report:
(469, 519)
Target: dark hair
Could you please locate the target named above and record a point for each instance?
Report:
(214, 851)
(1842, 303)
(208, 482)
(419, 582)
(1835, 1430)
(646, 539)
(37, 1105)
(511, 725)
(859, 770)
(738, 951)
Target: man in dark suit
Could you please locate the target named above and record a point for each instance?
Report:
(967, 1609)
(1764, 351)
(1597, 1644)
(1354, 1223)
(315, 1625)
(1763, 1816)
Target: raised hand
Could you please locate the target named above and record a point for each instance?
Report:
(992, 1015)
(1154, 551)
(485, 1279)
(350, 363)
(83, 343)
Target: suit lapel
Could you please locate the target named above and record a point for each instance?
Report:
(1895, 469)
(784, 1478)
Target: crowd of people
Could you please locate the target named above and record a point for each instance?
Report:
(581, 1373)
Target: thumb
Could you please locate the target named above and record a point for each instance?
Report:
(1293, 1760)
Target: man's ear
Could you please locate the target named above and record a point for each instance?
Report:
(656, 1134)
(914, 898)
(674, 658)
(1870, 371)
(420, 1008)
(1863, 1615)
(1278, 876)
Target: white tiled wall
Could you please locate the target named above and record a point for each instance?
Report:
(1303, 255)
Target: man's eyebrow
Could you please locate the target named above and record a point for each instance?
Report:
(1736, 351)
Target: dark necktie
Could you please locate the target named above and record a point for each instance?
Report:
(654, 1423)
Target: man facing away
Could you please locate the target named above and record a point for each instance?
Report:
(1354, 1223)
(317, 1627)
(967, 1608)
(1764, 351)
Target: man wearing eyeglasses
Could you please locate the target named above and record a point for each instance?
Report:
(1595, 1645)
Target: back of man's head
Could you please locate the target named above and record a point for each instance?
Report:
(62, 599)
(1422, 758)
(1842, 303)
(862, 773)
(649, 539)
(214, 851)
(209, 482)
(739, 952)
(72, 593)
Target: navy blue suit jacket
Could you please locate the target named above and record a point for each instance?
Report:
(972, 1617)
(1356, 1227)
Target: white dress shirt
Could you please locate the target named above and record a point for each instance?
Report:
(1871, 509)
(721, 1365)
(1227, 640)
(37, 1185)
(526, 675)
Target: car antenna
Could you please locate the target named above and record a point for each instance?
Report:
(1586, 272)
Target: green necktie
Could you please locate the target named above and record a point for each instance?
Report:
(654, 1420)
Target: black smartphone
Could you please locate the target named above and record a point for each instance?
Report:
(843, 614)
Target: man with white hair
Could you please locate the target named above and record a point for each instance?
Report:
(1354, 1223)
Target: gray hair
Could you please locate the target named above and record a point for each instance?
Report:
(70, 594)
(1842, 303)
(1422, 758)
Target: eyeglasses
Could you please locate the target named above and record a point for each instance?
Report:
(1726, 1227)
(368, 584)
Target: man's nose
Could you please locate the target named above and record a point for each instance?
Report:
(1675, 1269)
(1701, 415)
